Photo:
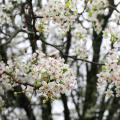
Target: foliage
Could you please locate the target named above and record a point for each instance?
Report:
(48, 48)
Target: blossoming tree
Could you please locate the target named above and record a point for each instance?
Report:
(52, 50)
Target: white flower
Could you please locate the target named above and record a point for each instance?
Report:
(1, 102)
(49, 76)
(109, 93)
(111, 73)
(61, 13)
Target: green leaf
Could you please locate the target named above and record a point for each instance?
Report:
(68, 4)
(118, 60)
(45, 76)
(65, 70)
(104, 68)
(90, 13)
(61, 82)
(40, 28)
(113, 38)
(37, 83)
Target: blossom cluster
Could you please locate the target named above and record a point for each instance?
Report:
(96, 7)
(110, 73)
(6, 11)
(4, 14)
(79, 40)
(95, 10)
(113, 34)
(60, 12)
(46, 75)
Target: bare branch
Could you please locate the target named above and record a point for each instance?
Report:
(11, 37)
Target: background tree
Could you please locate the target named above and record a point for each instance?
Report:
(82, 32)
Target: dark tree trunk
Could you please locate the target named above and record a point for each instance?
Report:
(3, 53)
(46, 111)
(63, 96)
(23, 102)
(91, 95)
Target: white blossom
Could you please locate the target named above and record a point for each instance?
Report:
(111, 73)
(61, 13)
(47, 75)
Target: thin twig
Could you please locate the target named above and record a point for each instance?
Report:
(11, 37)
